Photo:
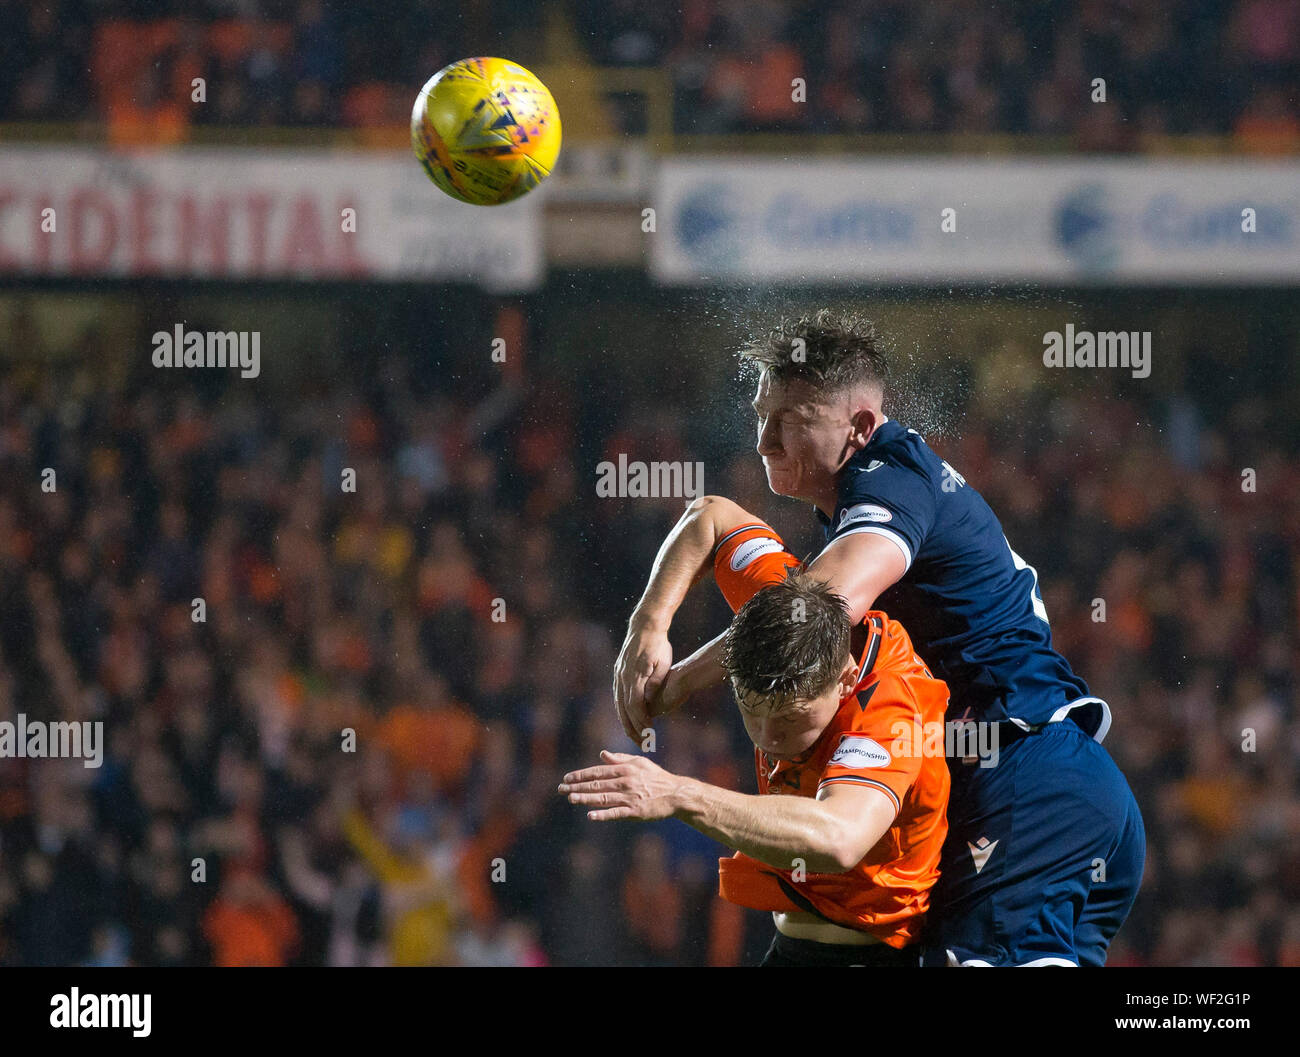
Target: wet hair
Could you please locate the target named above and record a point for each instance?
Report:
(840, 350)
(787, 644)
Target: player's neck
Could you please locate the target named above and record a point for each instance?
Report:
(826, 501)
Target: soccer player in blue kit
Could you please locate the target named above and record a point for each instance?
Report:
(1046, 849)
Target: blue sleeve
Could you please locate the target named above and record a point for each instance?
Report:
(893, 501)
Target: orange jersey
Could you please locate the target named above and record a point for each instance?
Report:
(869, 743)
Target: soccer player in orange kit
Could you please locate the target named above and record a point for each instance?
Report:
(842, 841)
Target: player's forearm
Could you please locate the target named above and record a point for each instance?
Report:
(703, 668)
(684, 557)
(773, 829)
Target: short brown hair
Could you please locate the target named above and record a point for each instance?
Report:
(788, 643)
(839, 350)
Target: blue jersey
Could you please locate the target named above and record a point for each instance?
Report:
(970, 603)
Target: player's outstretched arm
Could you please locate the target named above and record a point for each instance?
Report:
(831, 834)
(646, 656)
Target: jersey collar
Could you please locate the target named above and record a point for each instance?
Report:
(887, 428)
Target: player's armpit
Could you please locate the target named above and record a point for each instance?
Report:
(860, 567)
(863, 812)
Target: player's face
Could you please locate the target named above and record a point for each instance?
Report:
(802, 438)
(786, 734)
(790, 732)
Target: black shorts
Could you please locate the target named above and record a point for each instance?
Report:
(786, 951)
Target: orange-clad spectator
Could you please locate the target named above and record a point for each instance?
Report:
(250, 924)
(146, 119)
(1268, 125)
(448, 577)
(117, 51)
(436, 736)
(543, 439)
(362, 431)
(652, 900)
(757, 83)
(474, 867)
(770, 86)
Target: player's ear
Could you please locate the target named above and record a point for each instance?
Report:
(864, 423)
(848, 677)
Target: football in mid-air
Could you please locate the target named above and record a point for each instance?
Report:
(485, 130)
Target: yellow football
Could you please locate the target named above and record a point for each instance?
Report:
(485, 130)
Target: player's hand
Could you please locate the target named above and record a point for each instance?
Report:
(673, 692)
(625, 786)
(639, 673)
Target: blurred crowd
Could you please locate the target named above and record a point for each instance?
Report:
(880, 66)
(963, 66)
(346, 753)
(411, 601)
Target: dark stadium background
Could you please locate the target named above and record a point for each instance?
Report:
(476, 479)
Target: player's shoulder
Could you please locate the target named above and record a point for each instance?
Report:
(895, 454)
(892, 673)
(894, 442)
(895, 650)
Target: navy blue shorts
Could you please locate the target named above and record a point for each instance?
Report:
(1043, 858)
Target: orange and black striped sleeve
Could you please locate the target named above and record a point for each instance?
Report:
(748, 558)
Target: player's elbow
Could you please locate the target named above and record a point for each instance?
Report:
(838, 849)
(718, 510)
(718, 507)
(847, 856)
(704, 504)
(845, 844)
(837, 859)
(824, 862)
